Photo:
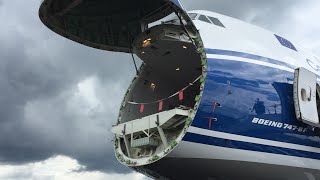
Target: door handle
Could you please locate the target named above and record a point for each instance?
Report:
(310, 94)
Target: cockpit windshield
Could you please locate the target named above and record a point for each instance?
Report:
(193, 16)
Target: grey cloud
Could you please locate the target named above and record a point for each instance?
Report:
(38, 84)
(45, 88)
(20, 175)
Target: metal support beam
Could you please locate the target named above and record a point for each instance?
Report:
(126, 142)
(162, 135)
(147, 134)
(131, 133)
(181, 121)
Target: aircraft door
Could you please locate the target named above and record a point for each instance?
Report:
(305, 96)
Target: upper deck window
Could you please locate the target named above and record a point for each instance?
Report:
(286, 43)
(204, 18)
(216, 21)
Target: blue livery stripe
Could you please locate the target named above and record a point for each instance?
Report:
(249, 56)
(201, 139)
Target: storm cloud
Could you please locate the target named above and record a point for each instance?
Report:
(43, 109)
(61, 98)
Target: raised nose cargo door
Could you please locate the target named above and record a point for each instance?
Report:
(169, 83)
(110, 25)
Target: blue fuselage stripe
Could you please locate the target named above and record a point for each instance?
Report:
(214, 141)
(250, 91)
(249, 56)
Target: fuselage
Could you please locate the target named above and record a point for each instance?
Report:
(214, 98)
(255, 133)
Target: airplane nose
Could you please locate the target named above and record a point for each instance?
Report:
(176, 49)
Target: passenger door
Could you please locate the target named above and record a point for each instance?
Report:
(305, 96)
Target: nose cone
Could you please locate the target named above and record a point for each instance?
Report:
(103, 24)
(122, 26)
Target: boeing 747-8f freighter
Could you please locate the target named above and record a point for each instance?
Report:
(214, 99)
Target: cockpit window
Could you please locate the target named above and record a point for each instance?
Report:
(193, 15)
(204, 18)
(216, 21)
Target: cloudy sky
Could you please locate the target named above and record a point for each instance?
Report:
(59, 99)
